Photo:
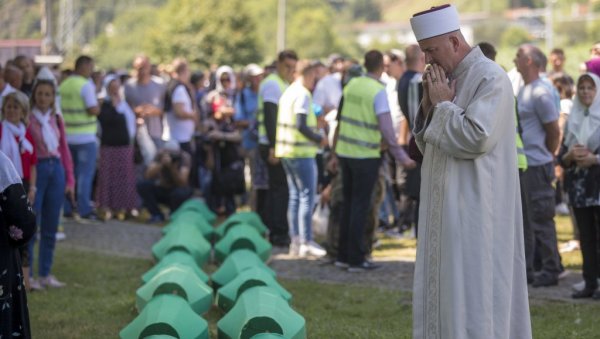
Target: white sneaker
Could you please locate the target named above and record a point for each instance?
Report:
(570, 246)
(562, 209)
(311, 248)
(580, 285)
(60, 236)
(52, 282)
(35, 285)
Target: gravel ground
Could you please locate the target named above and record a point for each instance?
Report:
(135, 240)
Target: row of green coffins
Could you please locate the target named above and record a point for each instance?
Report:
(175, 292)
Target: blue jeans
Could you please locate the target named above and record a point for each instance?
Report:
(48, 202)
(301, 174)
(84, 162)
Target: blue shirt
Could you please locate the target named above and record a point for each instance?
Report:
(246, 105)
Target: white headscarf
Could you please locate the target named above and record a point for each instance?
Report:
(8, 175)
(13, 136)
(581, 127)
(229, 71)
(48, 133)
(122, 107)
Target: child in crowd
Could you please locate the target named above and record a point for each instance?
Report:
(17, 143)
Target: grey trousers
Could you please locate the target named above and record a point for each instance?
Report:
(539, 226)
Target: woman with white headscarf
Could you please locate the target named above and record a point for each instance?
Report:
(579, 155)
(116, 172)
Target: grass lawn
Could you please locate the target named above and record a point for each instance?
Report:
(100, 301)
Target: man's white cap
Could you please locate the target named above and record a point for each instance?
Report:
(435, 22)
(253, 70)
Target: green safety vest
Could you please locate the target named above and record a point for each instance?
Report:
(290, 143)
(359, 135)
(521, 157)
(260, 117)
(77, 120)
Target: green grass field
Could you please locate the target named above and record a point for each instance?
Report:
(100, 301)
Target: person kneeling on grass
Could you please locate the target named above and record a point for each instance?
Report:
(166, 181)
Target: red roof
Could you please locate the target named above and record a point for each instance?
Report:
(21, 43)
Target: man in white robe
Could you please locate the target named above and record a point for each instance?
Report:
(470, 277)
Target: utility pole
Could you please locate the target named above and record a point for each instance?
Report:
(66, 28)
(281, 25)
(549, 23)
(48, 46)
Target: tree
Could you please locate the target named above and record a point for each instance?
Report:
(126, 37)
(205, 32)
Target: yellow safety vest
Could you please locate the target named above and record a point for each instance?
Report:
(359, 135)
(260, 117)
(290, 142)
(77, 120)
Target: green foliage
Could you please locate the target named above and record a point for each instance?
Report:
(365, 10)
(515, 36)
(128, 35)
(489, 31)
(205, 32)
(310, 32)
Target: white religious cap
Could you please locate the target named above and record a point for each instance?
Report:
(435, 22)
(253, 70)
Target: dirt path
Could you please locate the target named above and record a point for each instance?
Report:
(136, 240)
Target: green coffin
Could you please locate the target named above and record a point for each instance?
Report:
(247, 279)
(261, 310)
(191, 218)
(242, 237)
(198, 206)
(187, 239)
(166, 316)
(179, 280)
(250, 218)
(235, 263)
(175, 258)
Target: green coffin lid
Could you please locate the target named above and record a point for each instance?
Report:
(265, 336)
(198, 206)
(235, 263)
(252, 277)
(191, 219)
(242, 237)
(250, 218)
(179, 280)
(175, 258)
(261, 310)
(166, 316)
(187, 239)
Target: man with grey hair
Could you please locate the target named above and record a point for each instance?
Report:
(538, 114)
(470, 271)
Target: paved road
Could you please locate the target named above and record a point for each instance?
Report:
(135, 240)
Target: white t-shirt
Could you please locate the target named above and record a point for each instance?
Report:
(328, 91)
(271, 92)
(381, 103)
(182, 130)
(88, 94)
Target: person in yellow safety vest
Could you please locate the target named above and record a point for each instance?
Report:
(364, 119)
(80, 109)
(275, 201)
(297, 141)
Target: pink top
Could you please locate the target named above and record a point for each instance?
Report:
(62, 152)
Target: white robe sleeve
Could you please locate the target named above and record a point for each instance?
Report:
(467, 133)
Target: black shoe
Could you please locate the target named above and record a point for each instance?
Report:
(544, 281)
(596, 295)
(585, 293)
(365, 266)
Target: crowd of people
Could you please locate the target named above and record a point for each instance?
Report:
(284, 137)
